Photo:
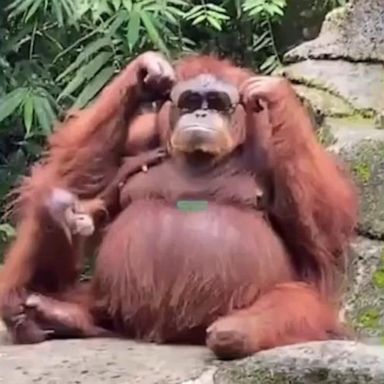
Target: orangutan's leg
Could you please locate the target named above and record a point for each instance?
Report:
(288, 314)
(67, 316)
(46, 257)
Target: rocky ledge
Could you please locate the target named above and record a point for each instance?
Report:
(120, 362)
(352, 33)
(341, 77)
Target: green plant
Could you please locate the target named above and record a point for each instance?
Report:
(66, 51)
(7, 233)
(264, 14)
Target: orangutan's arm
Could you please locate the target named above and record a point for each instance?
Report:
(84, 155)
(314, 203)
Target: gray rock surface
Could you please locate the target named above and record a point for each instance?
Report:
(353, 33)
(364, 300)
(102, 361)
(349, 132)
(318, 363)
(366, 162)
(330, 75)
(321, 100)
(122, 362)
(359, 85)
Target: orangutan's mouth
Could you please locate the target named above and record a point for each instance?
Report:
(199, 128)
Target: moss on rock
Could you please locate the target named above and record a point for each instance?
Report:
(324, 102)
(332, 362)
(364, 300)
(366, 162)
(359, 85)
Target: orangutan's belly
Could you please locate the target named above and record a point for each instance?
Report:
(183, 265)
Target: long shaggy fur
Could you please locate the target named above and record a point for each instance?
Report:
(269, 278)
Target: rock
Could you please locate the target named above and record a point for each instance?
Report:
(365, 160)
(104, 361)
(350, 131)
(3, 336)
(341, 76)
(121, 361)
(354, 33)
(364, 299)
(379, 121)
(323, 101)
(335, 362)
(357, 86)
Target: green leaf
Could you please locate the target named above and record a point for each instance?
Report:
(127, 5)
(56, 7)
(94, 87)
(44, 113)
(214, 22)
(116, 4)
(269, 64)
(121, 17)
(261, 42)
(193, 11)
(174, 11)
(20, 7)
(95, 65)
(82, 8)
(153, 33)
(146, 4)
(28, 113)
(103, 8)
(252, 7)
(133, 27)
(180, 3)
(7, 230)
(86, 73)
(257, 11)
(275, 10)
(49, 110)
(170, 17)
(10, 102)
(199, 19)
(34, 8)
(74, 84)
(219, 16)
(70, 8)
(43, 93)
(71, 48)
(216, 8)
(14, 5)
(154, 9)
(89, 50)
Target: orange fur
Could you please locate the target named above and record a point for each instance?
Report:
(314, 198)
(271, 277)
(83, 156)
(290, 313)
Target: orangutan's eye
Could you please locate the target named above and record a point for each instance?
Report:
(218, 101)
(190, 101)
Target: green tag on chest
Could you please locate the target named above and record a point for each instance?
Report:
(192, 205)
